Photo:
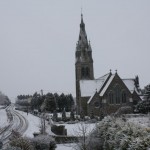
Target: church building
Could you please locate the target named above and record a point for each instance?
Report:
(105, 94)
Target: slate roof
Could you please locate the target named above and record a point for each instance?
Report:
(89, 87)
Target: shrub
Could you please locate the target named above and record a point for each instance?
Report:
(117, 134)
(43, 142)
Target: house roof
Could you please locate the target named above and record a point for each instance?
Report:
(89, 87)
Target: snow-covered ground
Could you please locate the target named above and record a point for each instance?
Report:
(33, 124)
(143, 121)
(65, 146)
(78, 128)
(3, 118)
(72, 129)
(1, 106)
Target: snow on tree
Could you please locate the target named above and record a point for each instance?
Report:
(116, 134)
(12, 148)
(147, 92)
(55, 116)
(43, 142)
(4, 100)
(143, 106)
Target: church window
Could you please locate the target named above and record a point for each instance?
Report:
(111, 97)
(117, 94)
(87, 72)
(82, 72)
(96, 104)
(124, 97)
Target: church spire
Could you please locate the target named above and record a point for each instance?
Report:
(83, 42)
(82, 25)
(83, 61)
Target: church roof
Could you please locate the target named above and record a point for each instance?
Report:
(130, 83)
(104, 77)
(91, 98)
(89, 87)
(107, 85)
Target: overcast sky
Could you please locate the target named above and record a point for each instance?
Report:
(38, 40)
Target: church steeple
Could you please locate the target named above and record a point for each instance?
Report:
(84, 62)
(83, 55)
(82, 42)
(82, 25)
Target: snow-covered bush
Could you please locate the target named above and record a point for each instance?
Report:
(12, 148)
(22, 143)
(124, 110)
(43, 142)
(143, 106)
(4, 100)
(116, 134)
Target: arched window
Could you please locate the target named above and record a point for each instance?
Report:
(124, 97)
(87, 72)
(117, 94)
(82, 72)
(111, 98)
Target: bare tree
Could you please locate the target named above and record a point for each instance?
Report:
(82, 132)
(43, 124)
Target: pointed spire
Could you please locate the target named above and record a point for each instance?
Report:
(89, 47)
(82, 25)
(83, 42)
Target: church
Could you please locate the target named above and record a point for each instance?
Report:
(105, 94)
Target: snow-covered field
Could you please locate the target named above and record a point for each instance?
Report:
(3, 118)
(143, 121)
(65, 146)
(72, 129)
(78, 128)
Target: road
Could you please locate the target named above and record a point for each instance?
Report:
(17, 122)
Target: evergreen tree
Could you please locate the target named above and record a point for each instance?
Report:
(147, 93)
(55, 116)
(50, 102)
(64, 118)
(72, 117)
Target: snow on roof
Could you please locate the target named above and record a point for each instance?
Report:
(130, 84)
(91, 98)
(106, 86)
(89, 87)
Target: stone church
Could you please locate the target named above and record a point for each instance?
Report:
(107, 93)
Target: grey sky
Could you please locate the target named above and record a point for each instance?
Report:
(38, 40)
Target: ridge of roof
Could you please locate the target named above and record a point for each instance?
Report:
(107, 84)
(91, 98)
(103, 76)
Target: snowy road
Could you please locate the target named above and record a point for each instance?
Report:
(16, 122)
